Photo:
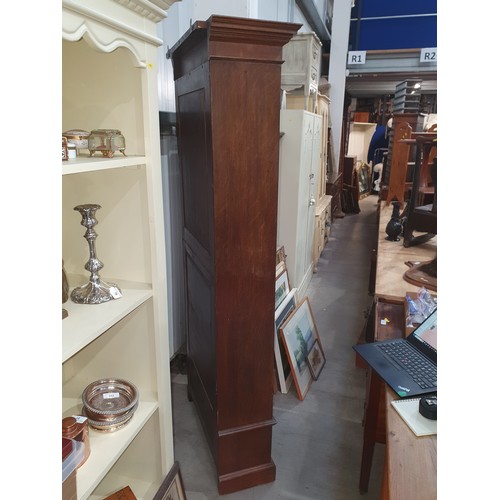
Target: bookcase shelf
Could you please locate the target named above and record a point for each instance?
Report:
(109, 82)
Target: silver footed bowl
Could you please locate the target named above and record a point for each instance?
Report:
(110, 397)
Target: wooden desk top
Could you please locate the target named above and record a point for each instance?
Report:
(411, 460)
(391, 258)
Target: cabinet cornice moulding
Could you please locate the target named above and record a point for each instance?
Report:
(243, 30)
(164, 4)
(153, 10)
(105, 33)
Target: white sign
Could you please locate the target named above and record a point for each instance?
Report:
(356, 57)
(429, 55)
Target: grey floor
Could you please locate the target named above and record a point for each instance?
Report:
(316, 442)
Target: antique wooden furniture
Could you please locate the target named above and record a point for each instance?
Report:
(322, 224)
(381, 423)
(350, 186)
(229, 153)
(362, 116)
(399, 157)
(302, 64)
(410, 469)
(422, 218)
(399, 163)
(323, 212)
(108, 82)
(299, 167)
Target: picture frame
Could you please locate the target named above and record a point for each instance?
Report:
(282, 288)
(280, 268)
(280, 255)
(283, 369)
(316, 360)
(299, 334)
(64, 148)
(172, 487)
(364, 179)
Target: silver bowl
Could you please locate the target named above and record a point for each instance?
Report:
(107, 399)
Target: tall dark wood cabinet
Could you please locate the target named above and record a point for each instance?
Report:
(227, 78)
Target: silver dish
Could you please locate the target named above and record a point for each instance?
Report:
(109, 398)
(110, 424)
(109, 427)
(98, 418)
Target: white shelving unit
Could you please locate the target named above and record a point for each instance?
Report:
(360, 135)
(109, 80)
(300, 149)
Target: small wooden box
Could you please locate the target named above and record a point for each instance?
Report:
(123, 494)
(362, 116)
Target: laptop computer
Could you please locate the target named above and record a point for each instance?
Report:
(409, 365)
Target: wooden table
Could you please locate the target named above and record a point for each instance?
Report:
(410, 469)
(391, 258)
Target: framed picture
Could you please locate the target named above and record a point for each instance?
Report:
(364, 178)
(280, 255)
(316, 360)
(172, 487)
(299, 336)
(283, 369)
(280, 268)
(64, 148)
(282, 289)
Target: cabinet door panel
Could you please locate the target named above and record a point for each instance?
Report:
(196, 167)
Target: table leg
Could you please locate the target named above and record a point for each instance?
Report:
(375, 385)
(384, 490)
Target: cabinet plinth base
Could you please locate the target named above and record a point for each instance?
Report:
(244, 456)
(240, 480)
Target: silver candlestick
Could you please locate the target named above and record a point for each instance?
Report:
(96, 291)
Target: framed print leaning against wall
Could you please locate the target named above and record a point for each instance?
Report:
(282, 288)
(172, 487)
(316, 360)
(283, 368)
(299, 336)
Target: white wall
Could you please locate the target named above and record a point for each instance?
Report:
(181, 14)
(337, 70)
(274, 10)
(320, 6)
(298, 17)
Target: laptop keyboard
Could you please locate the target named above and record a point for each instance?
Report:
(421, 370)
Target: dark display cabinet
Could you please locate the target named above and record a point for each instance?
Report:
(227, 75)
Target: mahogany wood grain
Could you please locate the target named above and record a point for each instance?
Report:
(227, 75)
(399, 163)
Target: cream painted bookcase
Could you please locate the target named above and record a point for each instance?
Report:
(109, 80)
(323, 216)
(300, 148)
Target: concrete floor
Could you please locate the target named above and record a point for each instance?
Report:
(316, 442)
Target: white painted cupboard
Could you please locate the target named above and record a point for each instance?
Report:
(300, 148)
(109, 80)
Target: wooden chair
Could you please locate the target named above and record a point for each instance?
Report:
(399, 163)
(422, 218)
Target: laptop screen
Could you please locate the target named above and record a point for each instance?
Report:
(425, 335)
